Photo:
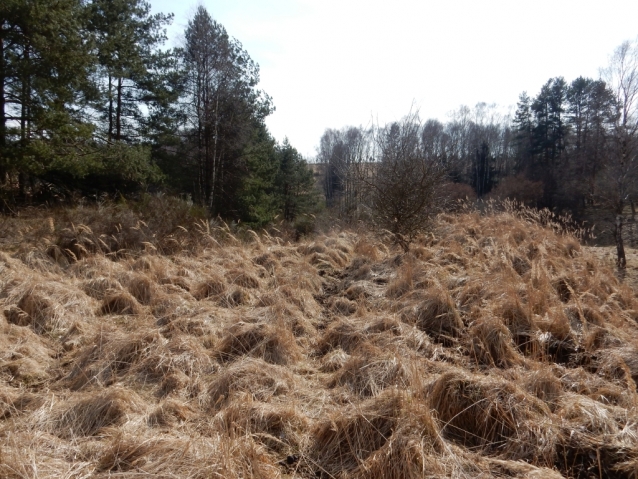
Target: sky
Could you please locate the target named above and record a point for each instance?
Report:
(336, 63)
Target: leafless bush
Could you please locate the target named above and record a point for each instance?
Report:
(404, 188)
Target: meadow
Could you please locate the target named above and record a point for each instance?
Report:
(135, 346)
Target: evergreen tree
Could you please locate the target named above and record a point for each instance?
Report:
(523, 125)
(126, 38)
(294, 183)
(223, 109)
(44, 66)
(258, 197)
(548, 136)
(590, 115)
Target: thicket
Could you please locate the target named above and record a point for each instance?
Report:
(92, 102)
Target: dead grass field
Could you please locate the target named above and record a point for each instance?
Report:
(495, 348)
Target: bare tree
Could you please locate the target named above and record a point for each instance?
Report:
(621, 172)
(405, 184)
(346, 156)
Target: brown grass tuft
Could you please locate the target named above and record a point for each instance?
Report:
(172, 382)
(211, 287)
(545, 386)
(334, 360)
(88, 416)
(25, 371)
(39, 310)
(268, 261)
(491, 343)
(518, 320)
(353, 440)
(14, 402)
(493, 416)
(98, 288)
(126, 454)
(120, 303)
(340, 334)
(369, 371)
(343, 306)
(109, 356)
(274, 344)
(142, 289)
(252, 376)
(438, 316)
(237, 297)
(280, 428)
(169, 413)
(365, 248)
(243, 279)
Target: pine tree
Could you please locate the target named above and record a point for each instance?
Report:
(223, 109)
(294, 183)
(44, 66)
(126, 38)
(590, 116)
(523, 125)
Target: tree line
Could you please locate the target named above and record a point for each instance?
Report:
(573, 146)
(92, 101)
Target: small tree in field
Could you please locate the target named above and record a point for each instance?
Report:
(620, 178)
(405, 184)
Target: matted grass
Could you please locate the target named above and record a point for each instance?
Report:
(497, 347)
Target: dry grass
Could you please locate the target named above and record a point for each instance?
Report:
(497, 347)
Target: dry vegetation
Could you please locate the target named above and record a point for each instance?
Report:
(495, 348)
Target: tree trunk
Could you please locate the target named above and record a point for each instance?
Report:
(110, 108)
(620, 247)
(3, 116)
(118, 120)
(25, 99)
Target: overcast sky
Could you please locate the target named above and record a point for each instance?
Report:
(333, 63)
